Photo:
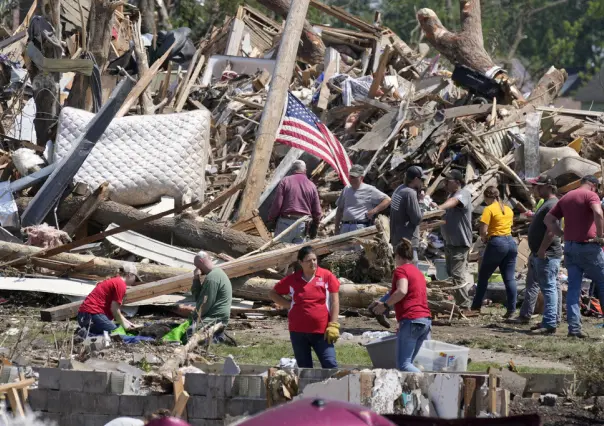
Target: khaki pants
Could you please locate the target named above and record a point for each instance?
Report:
(457, 268)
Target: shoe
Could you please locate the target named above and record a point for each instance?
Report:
(470, 312)
(543, 330)
(579, 335)
(537, 327)
(519, 320)
(508, 315)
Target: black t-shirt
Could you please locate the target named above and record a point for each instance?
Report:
(537, 231)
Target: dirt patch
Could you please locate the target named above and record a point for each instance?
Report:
(577, 411)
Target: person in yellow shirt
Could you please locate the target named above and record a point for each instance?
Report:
(500, 252)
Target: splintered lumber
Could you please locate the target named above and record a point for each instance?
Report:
(276, 99)
(86, 209)
(234, 268)
(205, 235)
(170, 367)
(351, 295)
(84, 264)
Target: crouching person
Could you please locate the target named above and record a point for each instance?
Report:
(409, 298)
(102, 306)
(213, 296)
(313, 310)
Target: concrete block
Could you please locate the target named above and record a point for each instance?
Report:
(95, 419)
(74, 402)
(316, 373)
(71, 380)
(220, 386)
(124, 384)
(49, 378)
(302, 383)
(249, 386)
(53, 403)
(156, 402)
(95, 381)
(336, 389)
(132, 405)
(245, 406)
(354, 388)
(54, 418)
(205, 407)
(165, 401)
(197, 384)
(100, 404)
(230, 367)
(38, 399)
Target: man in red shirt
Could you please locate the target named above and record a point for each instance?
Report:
(583, 221)
(103, 304)
(296, 196)
(313, 310)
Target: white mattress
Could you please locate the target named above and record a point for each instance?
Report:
(142, 157)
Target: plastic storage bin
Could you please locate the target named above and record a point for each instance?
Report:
(432, 356)
(382, 352)
(441, 356)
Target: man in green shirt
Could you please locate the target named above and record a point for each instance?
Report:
(213, 297)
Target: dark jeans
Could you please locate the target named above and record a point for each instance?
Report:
(409, 339)
(500, 252)
(98, 323)
(304, 342)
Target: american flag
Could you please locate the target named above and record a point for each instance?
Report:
(301, 129)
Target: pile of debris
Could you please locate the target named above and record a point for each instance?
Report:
(87, 148)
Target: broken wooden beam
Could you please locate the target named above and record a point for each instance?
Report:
(236, 268)
(87, 208)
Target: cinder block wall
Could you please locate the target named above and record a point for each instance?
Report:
(93, 398)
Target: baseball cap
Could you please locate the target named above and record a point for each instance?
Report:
(130, 268)
(591, 179)
(542, 181)
(454, 175)
(356, 171)
(415, 172)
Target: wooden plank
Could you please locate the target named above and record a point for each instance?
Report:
(261, 228)
(576, 184)
(331, 66)
(505, 403)
(142, 84)
(235, 37)
(379, 74)
(17, 385)
(15, 403)
(566, 111)
(469, 398)
(87, 208)
(344, 16)
(492, 393)
(235, 268)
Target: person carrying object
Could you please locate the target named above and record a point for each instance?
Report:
(409, 298)
(296, 196)
(312, 311)
(500, 252)
(102, 305)
(457, 233)
(213, 297)
(358, 203)
(405, 213)
(583, 223)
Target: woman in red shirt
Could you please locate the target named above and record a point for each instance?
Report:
(410, 300)
(313, 310)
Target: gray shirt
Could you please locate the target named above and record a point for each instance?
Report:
(405, 216)
(457, 231)
(537, 231)
(356, 203)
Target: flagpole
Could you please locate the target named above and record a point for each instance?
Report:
(273, 108)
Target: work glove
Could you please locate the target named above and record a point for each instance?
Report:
(332, 333)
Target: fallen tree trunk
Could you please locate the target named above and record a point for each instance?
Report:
(351, 295)
(84, 264)
(235, 268)
(206, 234)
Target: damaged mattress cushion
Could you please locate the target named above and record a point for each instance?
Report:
(142, 157)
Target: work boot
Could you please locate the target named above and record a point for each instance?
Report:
(578, 335)
(542, 331)
(519, 320)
